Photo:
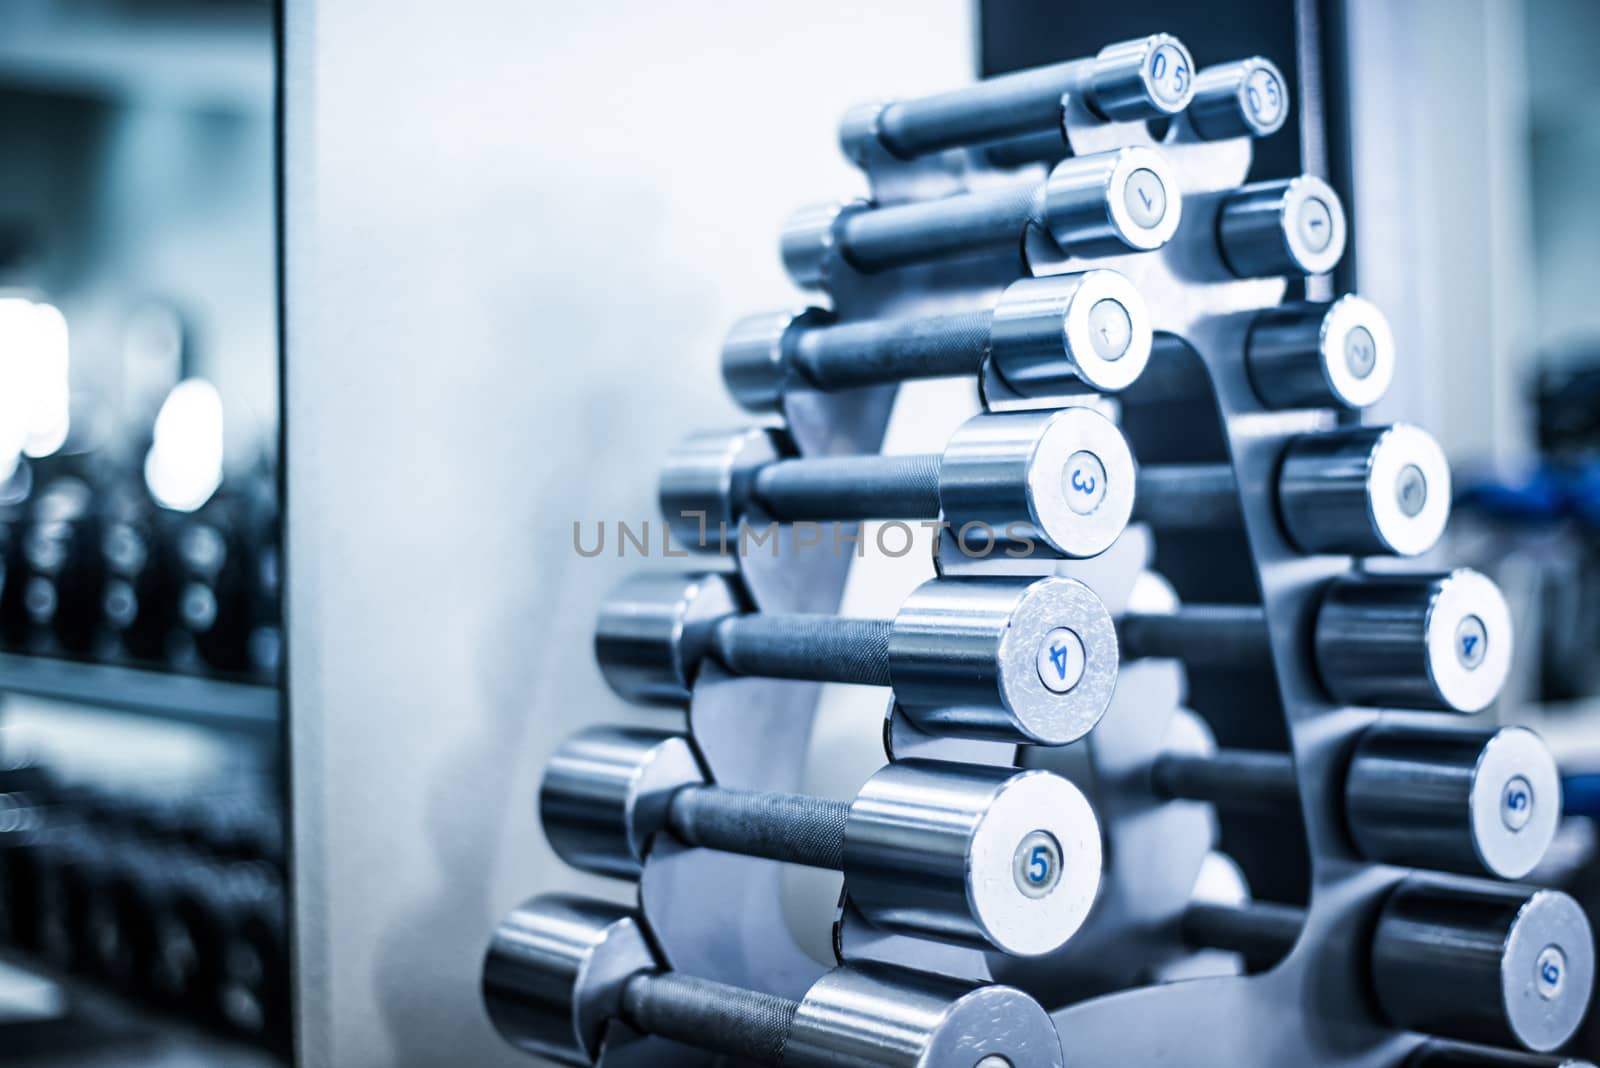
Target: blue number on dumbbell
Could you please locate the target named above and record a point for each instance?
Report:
(1517, 799)
(1255, 96)
(1158, 64)
(1549, 971)
(1468, 643)
(1039, 864)
(1058, 657)
(1081, 484)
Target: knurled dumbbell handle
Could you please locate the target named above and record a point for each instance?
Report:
(992, 110)
(818, 648)
(791, 828)
(743, 1024)
(1187, 497)
(1230, 776)
(1210, 635)
(850, 355)
(850, 487)
(885, 238)
(1260, 930)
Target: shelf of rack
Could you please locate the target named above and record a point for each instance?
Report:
(187, 698)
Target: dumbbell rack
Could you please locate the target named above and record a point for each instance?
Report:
(723, 917)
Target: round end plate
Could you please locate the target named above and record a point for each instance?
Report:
(1263, 96)
(554, 973)
(1356, 347)
(1167, 73)
(1033, 864)
(994, 1027)
(605, 793)
(1313, 224)
(1144, 198)
(1469, 641)
(1516, 802)
(1106, 330)
(1054, 693)
(1080, 483)
(1547, 973)
(1408, 490)
(654, 629)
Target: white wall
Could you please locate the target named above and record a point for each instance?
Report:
(516, 234)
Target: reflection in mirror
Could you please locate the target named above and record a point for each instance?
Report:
(141, 816)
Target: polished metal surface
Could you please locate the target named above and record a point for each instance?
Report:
(1312, 355)
(1290, 226)
(1500, 965)
(1434, 641)
(1004, 660)
(704, 482)
(872, 1015)
(1470, 801)
(607, 790)
(1108, 203)
(987, 657)
(1049, 334)
(1010, 481)
(1068, 333)
(975, 855)
(1136, 79)
(654, 630)
(1247, 98)
(555, 971)
(1365, 491)
(1125, 199)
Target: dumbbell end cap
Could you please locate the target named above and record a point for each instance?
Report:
(1146, 78)
(1035, 864)
(1081, 483)
(1356, 349)
(1516, 802)
(755, 364)
(606, 791)
(554, 974)
(1408, 490)
(1547, 973)
(1469, 641)
(809, 242)
(843, 1017)
(1246, 98)
(655, 629)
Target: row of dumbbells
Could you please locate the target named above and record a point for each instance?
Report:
(1002, 859)
(174, 902)
(96, 570)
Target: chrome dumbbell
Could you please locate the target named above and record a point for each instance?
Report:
(1500, 965)
(1357, 490)
(1312, 355)
(1480, 963)
(1005, 483)
(1105, 204)
(1430, 641)
(1291, 226)
(1436, 1054)
(562, 972)
(1246, 98)
(1146, 78)
(1415, 641)
(1046, 336)
(1450, 799)
(1011, 659)
(982, 856)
